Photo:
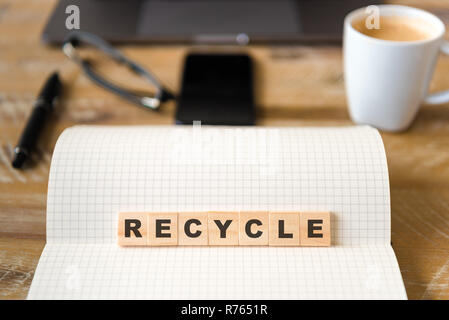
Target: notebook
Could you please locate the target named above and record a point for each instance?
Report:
(98, 171)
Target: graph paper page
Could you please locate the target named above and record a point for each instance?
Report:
(97, 172)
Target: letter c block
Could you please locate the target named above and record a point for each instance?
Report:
(253, 229)
(192, 228)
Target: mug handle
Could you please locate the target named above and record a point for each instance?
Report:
(442, 96)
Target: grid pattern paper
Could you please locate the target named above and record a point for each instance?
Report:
(97, 172)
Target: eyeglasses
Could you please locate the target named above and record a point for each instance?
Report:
(79, 38)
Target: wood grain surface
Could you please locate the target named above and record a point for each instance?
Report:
(295, 85)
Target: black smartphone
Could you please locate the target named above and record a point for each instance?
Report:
(217, 89)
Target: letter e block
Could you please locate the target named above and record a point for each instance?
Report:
(315, 229)
(223, 228)
(253, 228)
(284, 229)
(192, 228)
(132, 229)
(163, 229)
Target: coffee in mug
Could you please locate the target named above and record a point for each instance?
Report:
(397, 28)
(388, 70)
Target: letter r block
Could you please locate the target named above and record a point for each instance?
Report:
(315, 229)
(284, 229)
(132, 229)
(223, 228)
(163, 229)
(253, 228)
(192, 228)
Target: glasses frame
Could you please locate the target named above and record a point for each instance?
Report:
(80, 38)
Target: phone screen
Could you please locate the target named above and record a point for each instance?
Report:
(217, 89)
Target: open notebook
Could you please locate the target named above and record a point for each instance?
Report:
(97, 172)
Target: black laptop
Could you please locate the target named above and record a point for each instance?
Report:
(204, 21)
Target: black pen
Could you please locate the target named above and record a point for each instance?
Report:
(42, 109)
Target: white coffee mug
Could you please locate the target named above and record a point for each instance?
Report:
(386, 81)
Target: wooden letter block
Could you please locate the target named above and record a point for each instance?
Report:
(284, 229)
(132, 229)
(315, 229)
(192, 228)
(253, 228)
(162, 229)
(223, 228)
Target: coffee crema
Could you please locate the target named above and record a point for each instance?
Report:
(397, 28)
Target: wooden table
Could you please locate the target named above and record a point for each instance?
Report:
(295, 86)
